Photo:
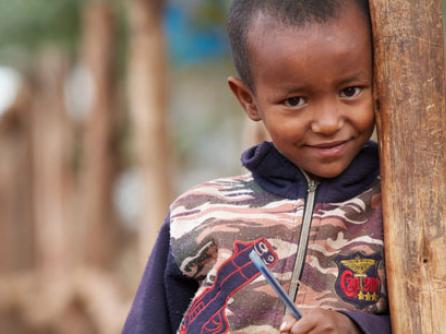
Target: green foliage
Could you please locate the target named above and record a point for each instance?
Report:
(30, 23)
(211, 13)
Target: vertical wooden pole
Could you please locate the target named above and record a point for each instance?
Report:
(410, 81)
(16, 220)
(147, 92)
(50, 164)
(98, 49)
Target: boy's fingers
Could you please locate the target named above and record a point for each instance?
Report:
(287, 323)
(286, 326)
(302, 327)
(293, 326)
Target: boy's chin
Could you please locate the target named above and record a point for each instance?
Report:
(321, 176)
(326, 172)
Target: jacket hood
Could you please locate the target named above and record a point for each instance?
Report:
(278, 175)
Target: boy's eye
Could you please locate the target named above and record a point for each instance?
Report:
(295, 101)
(350, 92)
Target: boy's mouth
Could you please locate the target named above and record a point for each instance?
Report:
(333, 149)
(328, 145)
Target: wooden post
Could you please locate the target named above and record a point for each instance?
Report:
(410, 81)
(147, 90)
(16, 220)
(51, 190)
(98, 49)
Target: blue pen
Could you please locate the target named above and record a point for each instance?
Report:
(260, 265)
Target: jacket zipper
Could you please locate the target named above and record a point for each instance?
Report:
(304, 234)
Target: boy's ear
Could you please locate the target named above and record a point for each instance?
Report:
(245, 97)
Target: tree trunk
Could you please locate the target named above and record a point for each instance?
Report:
(98, 219)
(410, 82)
(50, 164)
(16, 240)
(147, 99)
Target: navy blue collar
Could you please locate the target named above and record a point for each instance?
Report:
(278, 175)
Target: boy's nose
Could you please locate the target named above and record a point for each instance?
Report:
(327, 120)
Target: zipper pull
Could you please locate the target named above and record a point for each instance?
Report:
(312, 186)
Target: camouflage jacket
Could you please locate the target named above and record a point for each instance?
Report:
(331, 259)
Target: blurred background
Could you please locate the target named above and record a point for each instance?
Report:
(108, 110)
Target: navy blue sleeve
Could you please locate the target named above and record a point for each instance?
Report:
(370, 323)
(163, 295)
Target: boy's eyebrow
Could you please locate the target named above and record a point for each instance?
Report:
(293, 89)
(286, 90)
(290, 89)
(353, 77)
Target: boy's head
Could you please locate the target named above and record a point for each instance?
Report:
(305, 70)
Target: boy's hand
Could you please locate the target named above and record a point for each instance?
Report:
(319, 321)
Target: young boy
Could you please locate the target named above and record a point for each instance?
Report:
(310, 205)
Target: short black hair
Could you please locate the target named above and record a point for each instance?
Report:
(285, 12)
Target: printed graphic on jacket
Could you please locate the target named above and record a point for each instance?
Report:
(206, 315)
(358, 281)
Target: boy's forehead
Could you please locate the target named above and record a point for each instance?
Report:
(263, 28)
(263, 23)
(271, 42)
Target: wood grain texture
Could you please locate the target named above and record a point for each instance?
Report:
(410, 82)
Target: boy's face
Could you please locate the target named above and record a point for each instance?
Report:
(313, 89)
